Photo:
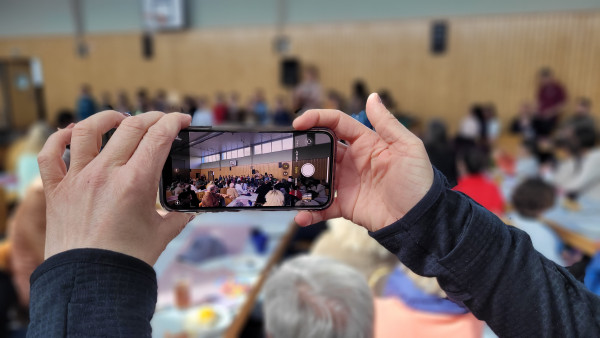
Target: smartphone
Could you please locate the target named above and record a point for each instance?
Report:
(211, 169)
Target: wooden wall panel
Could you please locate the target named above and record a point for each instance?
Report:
(490, 58)
(271, 168)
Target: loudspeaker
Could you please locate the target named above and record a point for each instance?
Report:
(280, 164)
(290, 72)
(439, 36)
(147, 46)
(253, 172)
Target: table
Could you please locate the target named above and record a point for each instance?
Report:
(279, 227)
(244, 200)
(579, 229)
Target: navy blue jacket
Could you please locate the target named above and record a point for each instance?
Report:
(479, 261)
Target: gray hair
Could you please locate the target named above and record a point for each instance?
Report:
(312, 296)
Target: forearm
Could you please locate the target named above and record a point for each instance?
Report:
(490, 267)
(92, 292)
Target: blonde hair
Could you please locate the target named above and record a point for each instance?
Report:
(210, 186)
(355, 238)
(274, 198)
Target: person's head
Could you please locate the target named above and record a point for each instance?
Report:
(477, 111)
(475, 160)
(311, 296)
(387, 99)
(231, 185)
(63, 118)
(532, 197)
(86, 89)
(527, 109)
(274, 199)
(583, 106)
(335, 100)
(436, 132)
(584, 137)
(219, 98)
(211, 187)
(311, 73)
(546, 75)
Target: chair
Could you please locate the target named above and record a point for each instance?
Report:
(200, 194)
(224, 191)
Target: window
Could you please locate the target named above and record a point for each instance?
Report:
(240, 152)
(247, 151)
(266, 148)
(257, 149)
(276, 145)
(287, 143)
(225, 156)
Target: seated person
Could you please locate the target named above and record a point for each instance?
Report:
(530, 199)
(274, 198)
(310, 296)
(476, 185)
(262, 191)
(308, 199)
(239, 187)
(232, 192)
(579, 175)
(211, 197)
(178, 189)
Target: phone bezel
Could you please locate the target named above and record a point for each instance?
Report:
(332, 165)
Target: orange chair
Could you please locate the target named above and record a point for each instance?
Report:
(224, 191)
(200, 194)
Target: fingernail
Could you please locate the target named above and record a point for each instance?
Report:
(192, 218)
(70, 126)
(379, 98)
(126, 114)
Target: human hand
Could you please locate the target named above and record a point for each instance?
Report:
(379, 175)
(107, 200)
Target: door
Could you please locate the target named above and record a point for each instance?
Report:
(19, 99)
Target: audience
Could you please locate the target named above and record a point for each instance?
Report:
(86, 105)
(578, 175)
(274, 198)
(530, 199)
(551, 97)
(202, 116)
(232, 192)
(440, 150)
(310, 296)
(308, 94)
(220, 109)
(474, 183)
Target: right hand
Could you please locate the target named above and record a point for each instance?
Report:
(107, 199)
(379, 176)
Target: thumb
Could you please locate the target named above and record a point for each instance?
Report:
(385, 124)
(172, 225)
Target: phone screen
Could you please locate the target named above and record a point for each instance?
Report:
(210, 170)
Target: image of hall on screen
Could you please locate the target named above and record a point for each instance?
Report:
(246, 170)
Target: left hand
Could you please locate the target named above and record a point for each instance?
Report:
(107, 199)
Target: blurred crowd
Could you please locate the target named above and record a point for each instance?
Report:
(545, 158)
(269, 190)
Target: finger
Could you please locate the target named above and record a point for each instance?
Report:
(172, 225)
(385, 124)
(127, 137)
(52, 166)
(154, 148)
(87, 137)
(344, 126)
(305, 217)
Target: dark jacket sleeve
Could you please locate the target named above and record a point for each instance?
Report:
(491, 268)
(92, 292)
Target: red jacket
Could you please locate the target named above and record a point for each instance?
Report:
(483, 191)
